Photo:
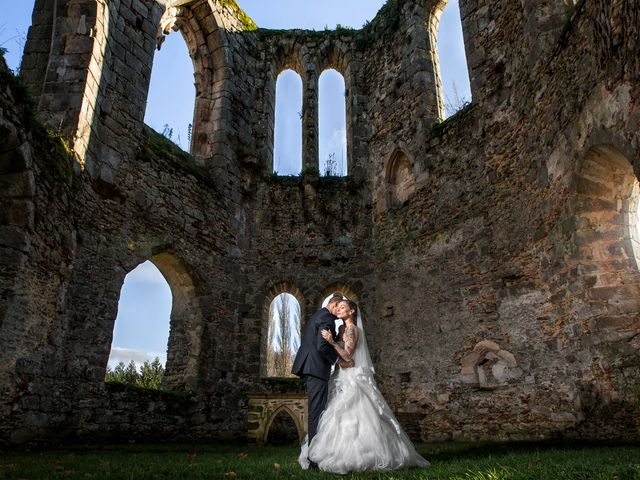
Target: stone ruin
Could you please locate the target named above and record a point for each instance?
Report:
(495, 254)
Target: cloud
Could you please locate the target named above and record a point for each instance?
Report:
(146, 272)
(125, 355)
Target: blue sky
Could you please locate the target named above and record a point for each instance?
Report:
(141, 329)
(142, 326)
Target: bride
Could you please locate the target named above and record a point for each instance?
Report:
(357, 430)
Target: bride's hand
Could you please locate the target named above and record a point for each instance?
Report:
(328, 336)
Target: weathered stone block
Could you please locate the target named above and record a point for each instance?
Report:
(16, 185)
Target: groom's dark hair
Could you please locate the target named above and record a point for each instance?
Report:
(337, 297)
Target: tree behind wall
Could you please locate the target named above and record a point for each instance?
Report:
(280, 350)
(149, 376)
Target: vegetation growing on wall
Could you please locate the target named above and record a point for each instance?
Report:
(155, 145)
(246, 21)
(55, 150)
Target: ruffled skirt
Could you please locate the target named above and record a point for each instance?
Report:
(358, 431)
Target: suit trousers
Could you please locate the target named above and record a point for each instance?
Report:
(317, 390)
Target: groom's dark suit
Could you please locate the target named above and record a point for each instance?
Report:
(313, 362)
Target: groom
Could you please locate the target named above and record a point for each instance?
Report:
(314, 360)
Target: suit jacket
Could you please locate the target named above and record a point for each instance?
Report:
(315, 355)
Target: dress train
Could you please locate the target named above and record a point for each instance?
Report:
(358, 431)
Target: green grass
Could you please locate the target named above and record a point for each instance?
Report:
(450, 461)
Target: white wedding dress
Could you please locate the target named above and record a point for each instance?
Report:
(357, 430)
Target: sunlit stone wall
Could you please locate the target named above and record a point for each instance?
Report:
(492, 254)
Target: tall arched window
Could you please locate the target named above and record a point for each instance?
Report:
(283, 335)
(141, 329)
(454, 90)
(172, 94)
(332, 116)
(287, 148)
(607, 233)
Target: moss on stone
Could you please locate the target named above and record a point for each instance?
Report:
(61, 156)
(383, 26)
(174, 401)
(156, 145)
(246, 21)
(49, 145)
(20, 93)
(440, 126)
(284, 384)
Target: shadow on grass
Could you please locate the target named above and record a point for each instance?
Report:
(555, 460)
(450, 451)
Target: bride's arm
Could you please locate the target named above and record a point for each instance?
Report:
(350, 338)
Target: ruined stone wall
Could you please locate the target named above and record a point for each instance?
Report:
(494, 254)
(127, 199)
(512, 279)
(61, 303)
(306, 234)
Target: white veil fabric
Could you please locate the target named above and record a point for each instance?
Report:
(362, 357)
(357, 430)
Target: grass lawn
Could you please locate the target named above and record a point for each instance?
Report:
(450, 461)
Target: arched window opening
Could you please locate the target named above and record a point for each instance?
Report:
(287, 148)
(634, 219)
(401, 180)
(607, 230)
(454, 88)
(141, 331)
(332, 116)
(283, 430)
(283, 335)
(172, 94)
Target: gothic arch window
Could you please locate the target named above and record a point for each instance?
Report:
(159, 315)
(401, 182)
(332, 117)
(282, 334)
(282, 429)
(172, 94)
(287, 148)
(449, 58)
(141, 330)
(607, 236)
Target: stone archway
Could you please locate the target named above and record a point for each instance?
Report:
(263, 409)
(275, 291)
(606, 239)
(206, 42)
(186, 325)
